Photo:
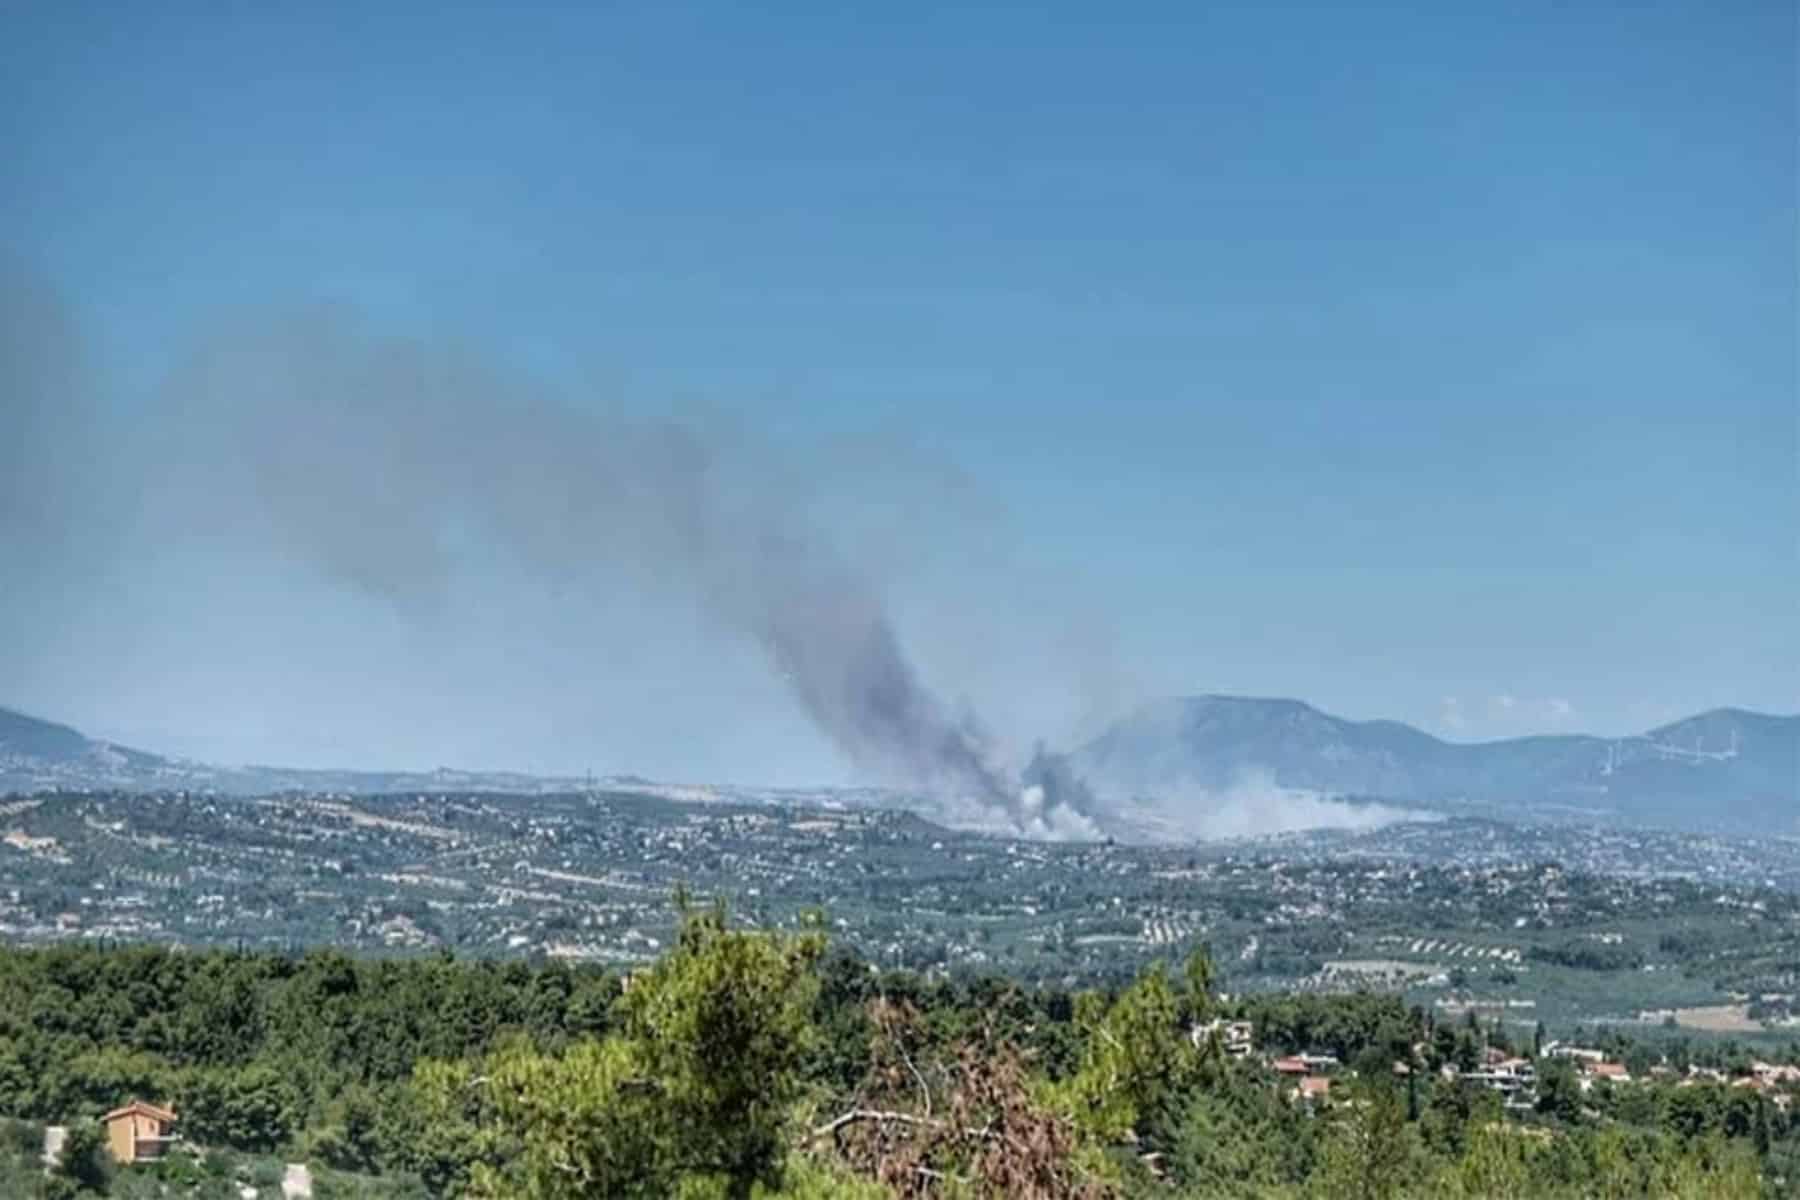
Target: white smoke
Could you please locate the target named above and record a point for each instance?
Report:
(1050, 820)
(1255, 805)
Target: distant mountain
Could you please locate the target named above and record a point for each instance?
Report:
(37, 755)
(1722, 769)
(47, 753)
(1726, 770)
(28, 737)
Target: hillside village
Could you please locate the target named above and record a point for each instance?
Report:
(1521, 924)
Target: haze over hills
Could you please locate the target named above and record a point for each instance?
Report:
(1719, 769)
(37, 754)
(1171, 767)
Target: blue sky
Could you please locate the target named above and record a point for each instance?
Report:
(1427, 361)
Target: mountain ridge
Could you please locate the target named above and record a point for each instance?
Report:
(1724, 766)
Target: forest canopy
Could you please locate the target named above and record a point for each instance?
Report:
(765, 1063)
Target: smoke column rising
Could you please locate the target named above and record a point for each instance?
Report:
(380, 459)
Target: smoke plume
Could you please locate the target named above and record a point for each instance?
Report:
(382, 460)
(1254, 805)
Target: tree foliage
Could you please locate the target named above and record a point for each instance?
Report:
(752, 1064)
(692, 1093)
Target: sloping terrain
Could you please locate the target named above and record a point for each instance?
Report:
(1725, 767)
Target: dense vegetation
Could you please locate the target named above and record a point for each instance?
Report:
(760, 1063)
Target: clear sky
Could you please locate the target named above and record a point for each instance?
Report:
(1428, 361)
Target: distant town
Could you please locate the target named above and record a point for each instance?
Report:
(1560, 924)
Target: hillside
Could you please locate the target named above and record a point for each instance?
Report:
(28, 737)
(1725, 768)
(36, 754)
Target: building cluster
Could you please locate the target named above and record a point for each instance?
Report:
(1311, 1075)
(589, 876)
(1512, 1077)
(1236, 1038)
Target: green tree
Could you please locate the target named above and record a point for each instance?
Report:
(1370, 1152)
(1494, 1166)
(82, 1166)
(1559, 1091)
(248, 1108)
(694, 1092)
(1137, 1053)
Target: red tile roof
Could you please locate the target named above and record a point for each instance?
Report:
(141, 1107)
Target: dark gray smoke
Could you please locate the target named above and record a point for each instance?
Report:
(826, 633)
(382, 460)
(45, 417)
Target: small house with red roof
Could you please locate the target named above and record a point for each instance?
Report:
(139, 1131)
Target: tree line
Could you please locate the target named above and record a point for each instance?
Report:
(767, 1063)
